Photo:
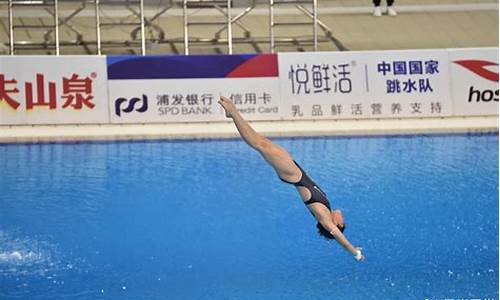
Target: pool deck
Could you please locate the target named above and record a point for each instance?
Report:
(74, 133)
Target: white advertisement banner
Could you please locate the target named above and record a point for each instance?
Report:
(410, 83)
(290, 86)
(321, 85)
(192, 100)
(474, 81)
(53, 90)
(355, 85)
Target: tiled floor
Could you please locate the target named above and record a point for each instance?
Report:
(417, 30)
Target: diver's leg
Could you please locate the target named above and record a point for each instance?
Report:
(275, 155)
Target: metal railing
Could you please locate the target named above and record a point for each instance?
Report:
(224, 21)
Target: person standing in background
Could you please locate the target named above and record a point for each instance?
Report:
(377, 12)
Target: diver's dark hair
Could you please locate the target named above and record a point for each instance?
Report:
(325, 233)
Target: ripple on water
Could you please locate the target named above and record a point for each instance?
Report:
(22, 255)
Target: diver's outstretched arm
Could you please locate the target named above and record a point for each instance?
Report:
(339, 237)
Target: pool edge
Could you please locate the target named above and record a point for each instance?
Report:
(186, 131)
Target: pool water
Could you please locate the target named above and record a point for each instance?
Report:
(210, 220)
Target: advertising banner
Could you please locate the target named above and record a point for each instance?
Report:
(409, 83)
(322, 85)
(474, 81)
(187, 88)
(53, 90)
(356, 85)
(285, 86)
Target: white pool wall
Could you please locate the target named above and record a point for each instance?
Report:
(75, 133)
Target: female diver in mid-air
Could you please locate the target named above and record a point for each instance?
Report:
(330, 223)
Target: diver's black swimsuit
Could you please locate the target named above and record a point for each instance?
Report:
(317, 195)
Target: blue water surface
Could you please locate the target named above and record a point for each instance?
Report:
(210, 220)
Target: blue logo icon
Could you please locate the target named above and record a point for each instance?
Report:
(128, 105)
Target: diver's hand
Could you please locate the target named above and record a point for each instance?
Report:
(228, 106)
(359, 254)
